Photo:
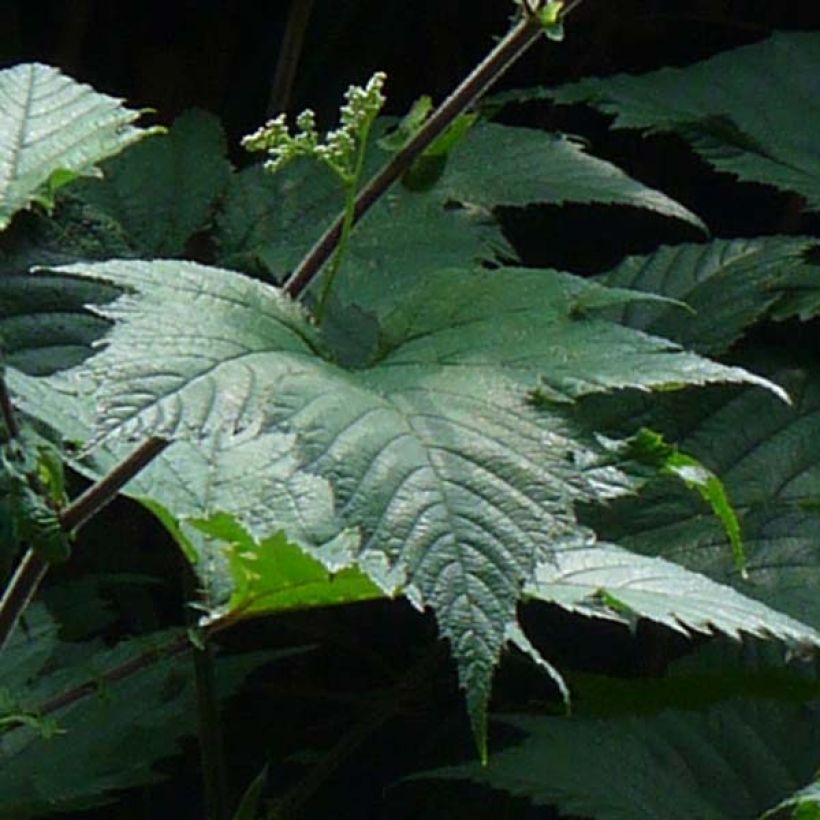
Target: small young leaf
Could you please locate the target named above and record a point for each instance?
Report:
(38, 525)
(275, 575)
(649, 447)
(408, 125)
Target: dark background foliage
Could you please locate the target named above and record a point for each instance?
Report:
(376, 699)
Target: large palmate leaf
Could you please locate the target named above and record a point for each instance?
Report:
(80, 755)
(751, 112)
(163, 190)
(256, 478)
(728, 284)
(53, 130)
(275, 220)
(454, 479)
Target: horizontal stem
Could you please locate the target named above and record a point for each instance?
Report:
(172, 647)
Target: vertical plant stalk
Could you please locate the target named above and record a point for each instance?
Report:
(348, 220)
(32, 568)
(7, 410)
(520, 37)
(289, 53)
(211, 743)
(213, 766)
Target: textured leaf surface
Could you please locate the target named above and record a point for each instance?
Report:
(50, 124)
(532, 166)
(730, 763)
(727, 284)
(275, 575)
(45, 324)
(751, 111)
(454, 480)
(163, 190)
(247, 352)
(767, 456)
(606, 581)
(256, 478)
(270, 222)
(275, 220)
(724, 734)
(106, 741)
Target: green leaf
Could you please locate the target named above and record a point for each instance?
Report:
(53, 129)
(677, 765)
(106, 741)
(728, 283)
(409, 124)
(533, 166)
(426, 169)
(164, 190)
(456, 483)
(32, 491)
(606, 581)
(275, 575)
(648, 447)
(256, 478)
(248, 807)
(805, 804)
(269, 222)
(272, 221)
(766, 455)
(246, 342)
(45, 323)
(747, 112)
(730, 761)
(39, 526)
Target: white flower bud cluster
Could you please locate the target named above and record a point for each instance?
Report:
(338, 149)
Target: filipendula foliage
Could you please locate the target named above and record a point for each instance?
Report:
(445, 465)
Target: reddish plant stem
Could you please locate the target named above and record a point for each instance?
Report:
(172, 647)
(7, 410)
(99, 495)
(32, 568)
(508, 50)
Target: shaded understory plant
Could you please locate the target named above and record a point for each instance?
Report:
(429, 419)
